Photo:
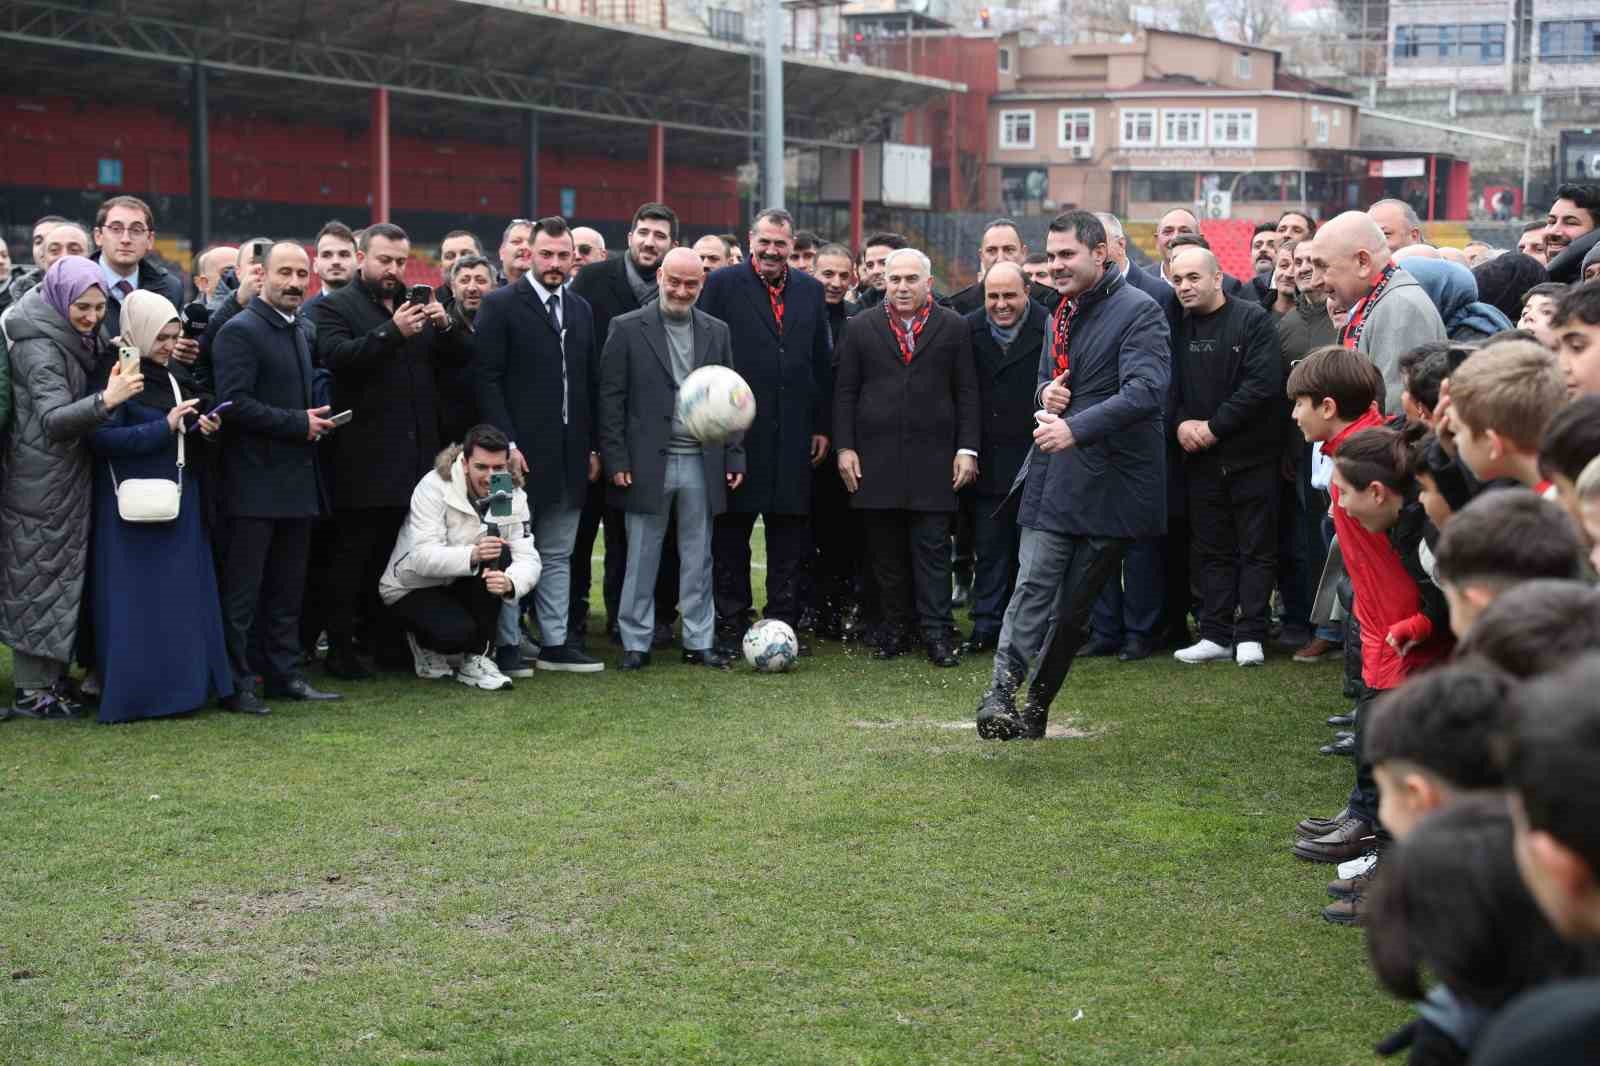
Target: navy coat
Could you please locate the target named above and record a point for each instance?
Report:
(1113, 481)
(269, 465)
(153, 277)
(1006, 383)
(791, 375)
(522, 366)
(153, 580)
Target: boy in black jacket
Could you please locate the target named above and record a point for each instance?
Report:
(1229, 419)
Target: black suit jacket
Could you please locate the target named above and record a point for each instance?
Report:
(1006, 382)
(605, 286)
(1158, 289)
(525, 376)
(637, 397)
(906, 421)
(388, 381)
(152, 277)
(263, 367)
(791, 373)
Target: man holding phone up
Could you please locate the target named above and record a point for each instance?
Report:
(466, 549)
(383, 344)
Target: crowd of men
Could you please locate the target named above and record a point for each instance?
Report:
(1372, 448)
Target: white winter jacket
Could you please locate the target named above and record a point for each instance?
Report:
(435, 545)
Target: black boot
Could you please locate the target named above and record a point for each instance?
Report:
(1061, 647)
(997, 712)
(345, 662)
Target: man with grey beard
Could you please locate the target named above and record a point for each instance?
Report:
(654, 469)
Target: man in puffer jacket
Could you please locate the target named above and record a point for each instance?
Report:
(456, 561)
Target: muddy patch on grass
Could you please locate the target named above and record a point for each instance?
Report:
(1063, 730)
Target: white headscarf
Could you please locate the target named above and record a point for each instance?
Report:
(145, 314)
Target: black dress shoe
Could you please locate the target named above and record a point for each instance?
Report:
(1133, 651)
(245, 701)
(634, 660)
(299, 688)
(941, 654)
(1097, 647)
(343, 662)
(710, 657)
(1345, 747)
(1340, 721)
(979, 643)
(1344, 734)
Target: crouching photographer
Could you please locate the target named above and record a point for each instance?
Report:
(466, 548)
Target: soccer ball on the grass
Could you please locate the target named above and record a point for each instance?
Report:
(771, 646)
(714, 403)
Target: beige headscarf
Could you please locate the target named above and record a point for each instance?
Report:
(145, 314)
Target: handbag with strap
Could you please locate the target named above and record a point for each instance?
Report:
(151, 499)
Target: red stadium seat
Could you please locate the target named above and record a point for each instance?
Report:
(1230, 242)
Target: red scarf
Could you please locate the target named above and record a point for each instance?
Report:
(1358, 314)
(774, 292)
(907, 338)
(1060, 329)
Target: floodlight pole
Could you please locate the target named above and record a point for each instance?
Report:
(772, 108)
(199, 163)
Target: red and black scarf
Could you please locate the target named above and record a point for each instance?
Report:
(775, 291)
(907, 338)
(1060, 330)
(1363, 308)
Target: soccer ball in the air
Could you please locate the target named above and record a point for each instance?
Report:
(770, 646)
(714, 402)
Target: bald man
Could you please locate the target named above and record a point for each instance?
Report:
(589, 247)
(209, 266)
(654, 468)
(1390, 314)
(1229, 420)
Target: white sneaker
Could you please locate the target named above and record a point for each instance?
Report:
(429, 664)
(1358, 865)
(1250, 653)
(1207, 651)
(479, 671)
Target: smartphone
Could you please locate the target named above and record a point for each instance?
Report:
(501, 490)
(421, 295)
(259, 250)
(342, 418)
(128, 359)
(221, 407)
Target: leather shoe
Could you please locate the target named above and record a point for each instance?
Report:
(1344, 734)
(344, 663)
(1347, 911)
(1133, 651)
(634, 660)
(245, 701)
(298, 688)
(1345, 746)
(710, 657)
(979, 643)
(1312, 828)
(1098, 647)
(941, 654)
(1353, 837)
(1342, 721)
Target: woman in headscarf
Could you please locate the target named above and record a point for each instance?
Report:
(46, 485)
(1454, 292)
(152, 580)
(1505, 279)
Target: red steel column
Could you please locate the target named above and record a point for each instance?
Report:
(657, 165)
(857, 190)
(955, 158)
(1432, 167)
(380, 155)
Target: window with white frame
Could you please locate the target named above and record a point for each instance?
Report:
(1233, 127)
(1182, 127)
(1241, 66)
(1076, 127)
(1139, 127)
(1005, 60)
(1016, 129)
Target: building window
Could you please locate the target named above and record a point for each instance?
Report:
(1161, 187)
(1453, 45)
(1241, 66)
(1077, 127)
(1319, 125)
(1016, 129)
(725, 23)
(1233, 128)
(1183, 128)
(1571, 41)
(1005, 60)
(1139, 128)
(1024, 190)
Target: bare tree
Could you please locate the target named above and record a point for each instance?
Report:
(1249, 21)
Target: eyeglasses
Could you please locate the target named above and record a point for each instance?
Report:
(117, 229)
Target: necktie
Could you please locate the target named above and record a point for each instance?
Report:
(555, 311)
(555, 317)
(123, 289)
